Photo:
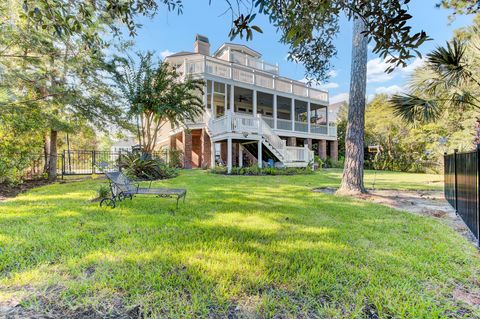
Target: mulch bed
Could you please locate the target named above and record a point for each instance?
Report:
(8, 191)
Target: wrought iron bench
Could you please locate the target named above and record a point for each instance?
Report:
(122, 188)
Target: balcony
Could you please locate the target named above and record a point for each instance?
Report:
(251, 76)
(244, 59)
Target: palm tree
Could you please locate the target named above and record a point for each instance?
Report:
(352, 181)
(156, 95)
(449, 80)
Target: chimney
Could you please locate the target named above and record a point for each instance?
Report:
(202, 45)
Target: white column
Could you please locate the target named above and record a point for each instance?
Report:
(240, 155)
(229, 155)
(308, 116)
(226, 100)
(232, 91)
(275, 111)
(205, 95)
(292, 116)
(213, 157)
(259, 158)
(254, 102)
(214, 110)
(328, 120)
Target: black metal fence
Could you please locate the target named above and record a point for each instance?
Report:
(84, 162)
(462, 185)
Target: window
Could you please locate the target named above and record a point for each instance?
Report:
(243, 100)
(265, 104)
(318, 114)
(301, 111)
(284, 108)
(219, 99)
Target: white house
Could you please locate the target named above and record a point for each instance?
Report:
(251, 112)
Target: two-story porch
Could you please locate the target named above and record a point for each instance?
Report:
(247, 103)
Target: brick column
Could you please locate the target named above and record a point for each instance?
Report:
(206, 153)
(292, 141)
(223, 152)
(334, 150)
(187, 149)
(235, 154)
(322, 149)
(173, 142)
(308, 142)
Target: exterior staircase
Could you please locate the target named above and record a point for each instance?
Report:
(248, 130)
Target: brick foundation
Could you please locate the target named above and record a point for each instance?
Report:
(308, 142)
(206, 151)
(187, 149)
(291, 141)
(334, 150)
(322, 149)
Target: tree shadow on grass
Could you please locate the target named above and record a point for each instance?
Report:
(233, 249)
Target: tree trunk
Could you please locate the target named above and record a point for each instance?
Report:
(52, 167)
(46, 152)
(352, 180)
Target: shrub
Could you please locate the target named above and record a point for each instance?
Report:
(255, 170)
(175, 158)
(142, 166)
(103, 191)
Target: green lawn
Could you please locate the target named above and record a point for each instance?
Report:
(241, 246)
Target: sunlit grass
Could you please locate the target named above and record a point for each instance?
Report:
(240, 246)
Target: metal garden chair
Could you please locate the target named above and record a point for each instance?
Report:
(122, 188)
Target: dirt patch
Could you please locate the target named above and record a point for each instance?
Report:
(8, 191)
(467, 297)
(425, 203)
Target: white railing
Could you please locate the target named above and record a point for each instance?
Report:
(272, 138)
(250, 76)
(245, 123)
(246, 60)
(298, 154)
(319, 129)
(284, 125)
(269, 120)
(301, 126)
(283, 86)
(220, 125)
(243, 76)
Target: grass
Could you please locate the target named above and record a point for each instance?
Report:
(241, 246)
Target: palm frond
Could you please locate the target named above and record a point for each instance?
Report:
(449, 62)
(413, 108)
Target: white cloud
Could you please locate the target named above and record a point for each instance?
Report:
(389, 90)
(324, 86)
(165, 53)
(332, 74)
(328, 86)
(339, 98)
(376, 70)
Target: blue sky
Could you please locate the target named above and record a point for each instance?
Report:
(168, 32)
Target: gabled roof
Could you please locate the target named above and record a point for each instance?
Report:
(179, 54)
(238, 47)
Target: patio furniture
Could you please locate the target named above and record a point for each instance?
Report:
(122, 188)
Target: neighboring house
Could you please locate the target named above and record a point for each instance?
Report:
(251, 112)
(124, 144)
(333, 110)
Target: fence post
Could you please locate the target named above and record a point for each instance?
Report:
(455, 187)
(119, 159)
(478, 194)
(63, 163)
(93, 162)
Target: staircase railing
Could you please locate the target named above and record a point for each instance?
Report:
(241, 123)
(271, 137)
